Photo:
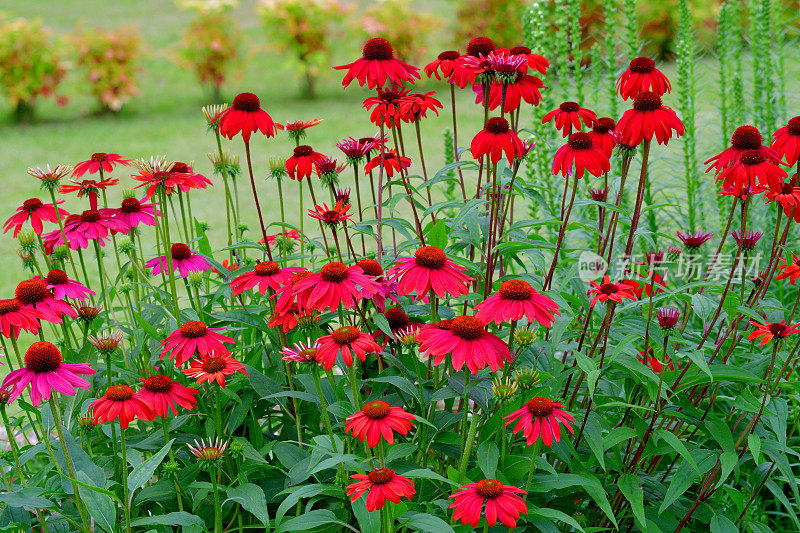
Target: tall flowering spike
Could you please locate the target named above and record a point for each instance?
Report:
(380, 485)
(99, 161)
(580, 155)
(517, 299)
(378, 420)
(772, 330)
(466, 340)
(377, 65)
(570, 116)
(541, 418)
(642, 75)
(244, 116)
(786, 141)
(430, 270)
(611, 291)
(649, 118)
(502, 503)
(495, 139)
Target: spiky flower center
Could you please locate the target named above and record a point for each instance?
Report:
(334, 272)
(32, 291)
(131, 205)
(119, 393)
(480, 46)
(32, 205)
(642, 65)
(668, 318)
(520, 50)
(180, 252)
(779, 330)
(516, 289)
(9, 305)
(396, 317)
(303, 151)
(646, 101)
(193, 329)
(599, 195)
(99, 157)
(746, 138)
(57, 277)
(468, 328)
(793, 127)
(378, 49)
(345, 335)
(449, 55)
(213, 365)
(309, 354)
(88, 312)
(489, 488)
(42, 357)
(752, 158)
(158, 383)
(370, 267)
(376, 410)
(540, 406)
(247, 102)
(570, 107)
(381, 476)
(608, 288)
(604, 125)
(430, 257)
(390, 97)
(580, 141)
(180, 168)
(267, 268)
(90, 215)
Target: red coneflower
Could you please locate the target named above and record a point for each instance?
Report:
(541, 417)
(642, 75)
(289, 318)
(91, 225)
(656, 365)
(62, 287)
(183, 260)
(748, 240)
(390, 162)
(99, 161)
(752, 167)
(244, 116)
(516, 299)
(502, 503)
(443, 64)
(288, 296)
(744, 139)
(523, 88)
(466, 69)
(786, 141)
(35, 210)
(15, 318)
(194, 338)
(334, 285)
(580, 154)
(376, 65)
(667, 318)
(495, 138)
(568, 116)
(297, 129)
(301, 352)
(266, 275)
(214, 367)
(416, 106)
(378, 420)
(769, 330)
(609, 290)
(466, 341)
(380, 485)
(133, 212)
(347, 340)
(387, 106)
(537, 62)
(34, 294)
(191, 179)
(791, 269)
(693, 241)
(328, 170)
(121, 403)
(430, 270)
(331, 216)
(156, 175)
(301, 164)
(162, 392)
(599, 195)
(646, 288)
(88, 188)
(603, 135)
(787, 195)
(648, 118)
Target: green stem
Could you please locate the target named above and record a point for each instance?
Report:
(126, 503)
(78, 501)
(473, 428)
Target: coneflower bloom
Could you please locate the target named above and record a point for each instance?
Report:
(133, 212)
(37, 212)
(503, 503)
(213, 367)
(50, 177)
(787, 195)
(467, 342)
(603, 135)
(265, 275)
(748, 240)
(649, 118)
(14, 317)
(191, 179)
(210, 451)
(297, 129)
(541, 417)
(386, 288)
(467, 68)
(772, 330)
(744, 139)
(121, 403)
(609, 290)
(91, 225)
(390, 162)
(524, 87)
(380, 485)
(791, 269)
(334, 285)
(331, 216)
(656, 365)
(599, 195)
(430, 270)
(496, 138)
(62, 287)
(183, 261)
(107, 342)
(99, 161)
(537, 62)
(347, 340)
(642, 75)
(570, 116)
(34, 294)
(46, 372)
(580, 154)
(244, 116)
(288, 296)
(753, 167)
(163, 393)
(355, 149)
(786, 141)
(693, 241)
(291, 317)
(328, 170)
(443, 64)
(386, 106)
(514, 300)
(416, 106)
(377, 66)
(378, 420)
(194, 338)
(301, 164)
(301, 352)
(667, 318)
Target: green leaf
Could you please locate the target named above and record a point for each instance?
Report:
(101, 507)
(754, 443)
(722, 524)
(179, 518)
(437, 236)
(293, 496)
(252, 499)
(367, 522)
(139, 476)
(429, 474)
(699, 358)
(554, 514)
(677, 445)
(307, 520)
(488, 455)
(27, 497)
(425, 522)
(630, 487)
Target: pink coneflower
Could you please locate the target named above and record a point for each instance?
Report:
(133, 212)
(609, 290)
(603, 135)
(88, 188)
(50, 177)
(744, 139)
(213, 367)
(753, 167)
(290, 318)
(210, 451)
(693, 241)
(430, 270)
(90, 225)
(190, 178)
(667, 318)
(514, 300)
(467, 342)
(334, 285)
(288, 296)
(331, 216)
(163, 393)
(541, 417)
(244, 116)
(390, 162)
(62, 287)
(649, 118)
(301, 164)
(502, 503)
(37, 212)
(14, 317)
(46, 372)
(642, 75)
(99, 161)
(378, 420)
(772, 330)
(377, 66)
(786, 141)
(385, 288)
(33, 293)
(748, 240)
(265, 275)
(495, 139)
(121, 403)
(194, 338)
(301, 352)
(443, 64)
(580, 154)
(569, 116)
(347, 340)
(380, 485)
(356, 149)
(183, 261)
